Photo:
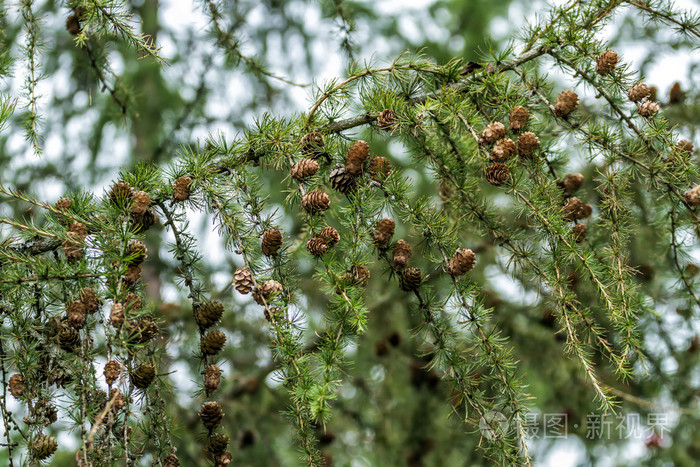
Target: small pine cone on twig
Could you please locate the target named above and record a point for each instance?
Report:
(571, 183)
(341, 180)
(401, 254)
(380, 167)
(218, 443)
(120, 193)
(171, 461)
(45, 412)
(305, 168)
(141, 330)
(68, 339)
(209, 313)
(648, 109)
(497, 174)
(75, 312)
(63, 205)
(575, 209)
(410, 279)
(111, 372)
(140, 202)
(315, 201)
(462, 262)
(43, 447)
(212, 378)
(638, 92)
(136, 252)
(356, 157)
(492, 133)
(329, 235)
(132, 302)
(383, 231)
(243, 280)
(116, 315)
(143, 376)
(212, 342)
(685, 146)
(606, 62)
(267, 290)
(566, 103)
(316, 246)
(145, 222)
(226, 457)
(386, 119)
(211, 415)
(132, 275)
(359, 275)
(579, 232)
(528, 143)
(518, 118)
(692, 196)
(271, 242)
(312, 144)
(90, 300)
(504, 148)
(116, 397)
(17, 385)
(181, 188)
(676, 94)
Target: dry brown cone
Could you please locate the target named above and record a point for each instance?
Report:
(648, 109)
(356, 157)
(211, 415)
(315, 201)
(73, 248)
(383, 231)
(44, 412)
(140, 202)
(75, 312)
(638, 92)
(579, 232)
(571, 183)
(360, 275)
(143, 376)
(692, 196)
(145, 222)
(116, 315)
(676, 95)
(136, 249)
(132, 275)
(528, 143)
(181, 188)
(212, 342)
(379, 167)
(341, 180)
(212, 378)
(243, 280)
(497, 174)
(462, 262)
(223, 459)
(68, 339)
(267, 290)
(43, 447)
(17, 385)
(492, 133)
(120, 193)
(141, 330)
(685, 145)
(401, 254)
(73, 25)
(410, 279)
(518, 118)
(312, 144)
(574, 209)
(330, 235)
(386, 119)
(116, 398)
(504, 148)
(209, 313)
(218, 443)
(112, 371)
(132, 302)
(305, 168)
(171, 461)
(271, 242)
(90, 300)
(63, 205)
(316, 246)
(606, 62)
(566, 103)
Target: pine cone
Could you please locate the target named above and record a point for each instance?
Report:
(267, 290)
(312, 144)
(79, 231)
(648, 109)
(503, 149)
(43, 447)
(120, 193)
(209, 313)
(140, 202)
(692, 196)
(171, 461)
(136, 253)
(212, 342)
(341, 180)
(386, 119)
(75, 312)
(73, 25)
(316, 246)
(574, 209)
(330, 236)
(181, 188)
(68, 339)
(17, 385)
(132, 275)
(63, 205)
(518, 118)
(685, 145)
(383, 232)
(211, 415)
(380, 167)
(360, 275)
(44, 412)
(117, 399)
(638, 92)
(579, 232)
(112, 371)
(305, 168)
(402, 254)
(606, 62)
(528, 143)
(492, 133)
(566, 103)
(212, 378)
(315, 201)
(356, 156)
(145, 222)
(225, 458)
(462, 262)
(271, 242)
(676, 94)
(218, 443)
(497, 174)
(90, 300)
(73, 248)
(132, 302)
(141, 330)
(243, 280)
(143, 376)
(571, 183)
(116, 315)
(410, 279)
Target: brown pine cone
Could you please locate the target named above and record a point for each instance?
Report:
(574, 209)
(380, 167)
(44, 412)
(315, 201)
(90, 300)
(17, 385)
(410, 279)
(171, 461)
(75, 312)
(140, 202)
(63, 205)
(571, 183)
(360, 275)
(132, 302)
(267, 290)
(685, 145)
(271, 242)
(212, 342)
(356, 157)
(305, 168)
(212, 378)
(120, 193)
(141, 330)
(181, 188)
(497, 174)
(528, 143)
(112, 371)
(209, 313)
(211, 415)
(68, 339)
(648, 109)
(638, 92)
(78, 231)
(116, 315)
(606, 62)
(401, 254)
(492, 133)
(518, 118)
(341, 180)
(316, 246)
(224, 459)
(676, 94)
(692, 196)
(462, 262)
(312, 144)
(329, 235)
(503, 149)
(579, 232)
(73, 25)
(136, 253)
(383, 231)
(116, 398)
(218, 443)
(143, 376)
(243, 280)
(145, 222)
(132, 275)
(386, 119)
(43, 447)
(566, 103)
